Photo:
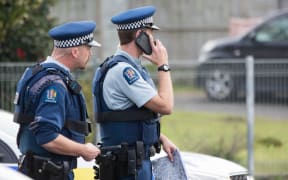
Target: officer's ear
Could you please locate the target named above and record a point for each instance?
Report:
(138, 32)
(75, 52)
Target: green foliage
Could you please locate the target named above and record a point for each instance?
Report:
(270, 142)
(224, 149)
(23, 29)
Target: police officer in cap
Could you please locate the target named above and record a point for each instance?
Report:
(127, 104)
(51, 109)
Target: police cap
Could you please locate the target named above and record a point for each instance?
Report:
(73, 34)
(135, 19)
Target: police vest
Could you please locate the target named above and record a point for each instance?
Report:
(129, 125)
(44, 75)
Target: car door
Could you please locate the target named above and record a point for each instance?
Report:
(271, 39)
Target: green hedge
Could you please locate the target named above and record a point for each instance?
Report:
(23, 30)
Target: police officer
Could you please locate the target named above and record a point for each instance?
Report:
(126, 103)
(51, 109)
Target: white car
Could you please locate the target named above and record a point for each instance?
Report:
(197, 166)
(9, 152)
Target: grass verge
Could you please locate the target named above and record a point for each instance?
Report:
(225, 136)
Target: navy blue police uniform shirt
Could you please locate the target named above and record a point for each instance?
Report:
(56, 105)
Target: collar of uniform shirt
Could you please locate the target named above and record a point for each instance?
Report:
(51, 60)
(123, 53)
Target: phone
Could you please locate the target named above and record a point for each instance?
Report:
(143, 42)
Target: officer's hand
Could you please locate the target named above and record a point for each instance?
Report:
(168, 146)
(159, 54)
(90, 152)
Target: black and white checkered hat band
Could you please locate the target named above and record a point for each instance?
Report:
(74, 41)
(136, 24)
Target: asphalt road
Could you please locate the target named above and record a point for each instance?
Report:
(200, 103)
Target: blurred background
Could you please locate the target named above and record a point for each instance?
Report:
(211, 114)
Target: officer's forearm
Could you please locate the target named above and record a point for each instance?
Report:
(165, 91)
(64, 146)
(163, 102)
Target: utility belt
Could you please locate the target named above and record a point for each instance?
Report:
(44, 168)
(119, 161)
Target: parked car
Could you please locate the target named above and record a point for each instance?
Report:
(221, 68)
(198, 166)
(9, 152)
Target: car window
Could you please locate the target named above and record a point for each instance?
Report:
(274, 30)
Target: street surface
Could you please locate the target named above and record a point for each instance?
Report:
(200, 103)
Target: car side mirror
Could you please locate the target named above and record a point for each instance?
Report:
(252, 37)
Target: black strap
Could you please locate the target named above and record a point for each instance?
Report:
(83, 127)
(133, 115)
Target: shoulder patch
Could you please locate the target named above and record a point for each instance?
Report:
(51, 95)
(130, 75)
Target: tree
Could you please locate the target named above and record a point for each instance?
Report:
(23, 29)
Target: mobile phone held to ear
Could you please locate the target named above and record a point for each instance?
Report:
(143, 42)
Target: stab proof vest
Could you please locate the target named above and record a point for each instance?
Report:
(26, 101)
(129, 125)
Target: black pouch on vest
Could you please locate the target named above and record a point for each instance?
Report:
(107, 169)
(122, 161)
(140, 153)
(131, 162)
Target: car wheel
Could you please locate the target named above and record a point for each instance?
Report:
(219, 84)
(6, 153)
